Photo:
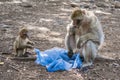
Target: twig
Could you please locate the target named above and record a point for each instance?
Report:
(7, 61)
(23, 58)
(14, 68)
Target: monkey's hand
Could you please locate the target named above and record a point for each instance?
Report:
(76, 50)
(81, 41)
(29, 46)
(70, 53)
(30, 42)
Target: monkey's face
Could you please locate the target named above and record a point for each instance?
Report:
(24, 34)
(77, 17)
(77, 22)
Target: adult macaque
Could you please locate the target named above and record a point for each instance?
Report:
(22, 42)
(84, 35)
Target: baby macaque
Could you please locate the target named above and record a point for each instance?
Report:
(84, 35)
(22, 42)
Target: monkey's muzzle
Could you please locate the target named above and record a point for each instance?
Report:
(77, 22)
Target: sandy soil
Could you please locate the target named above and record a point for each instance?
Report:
(47, 20)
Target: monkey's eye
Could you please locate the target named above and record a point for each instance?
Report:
(24, 33)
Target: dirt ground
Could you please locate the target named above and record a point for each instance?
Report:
(47, 21)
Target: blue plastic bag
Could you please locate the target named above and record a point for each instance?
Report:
(56, 59)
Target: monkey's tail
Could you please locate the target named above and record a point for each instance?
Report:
(103, 58)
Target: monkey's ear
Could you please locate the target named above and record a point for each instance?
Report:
(83, 11)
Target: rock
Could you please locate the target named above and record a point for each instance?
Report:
(74, 5)
(102, 4)
(27, 5)
(116, 64)
(117, 4)
(75, 1)
(82, 4)
(4, 29)
(1, 63)
(4, 26)
(85, 5)
(4, 0)
(92, 1)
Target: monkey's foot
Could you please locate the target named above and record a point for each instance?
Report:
(27, 54)
(85, 68)
(70, 55)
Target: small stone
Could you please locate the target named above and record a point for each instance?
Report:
(116, 65)
(1, 63)
(102, 4)
(27, 5)
(117, 4)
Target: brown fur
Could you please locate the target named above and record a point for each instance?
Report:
(22, 42)
(84, 35)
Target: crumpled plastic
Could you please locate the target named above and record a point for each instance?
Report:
(56, 59)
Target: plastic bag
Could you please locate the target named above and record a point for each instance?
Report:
(57, 59)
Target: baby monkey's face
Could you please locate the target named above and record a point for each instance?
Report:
(24, 33)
